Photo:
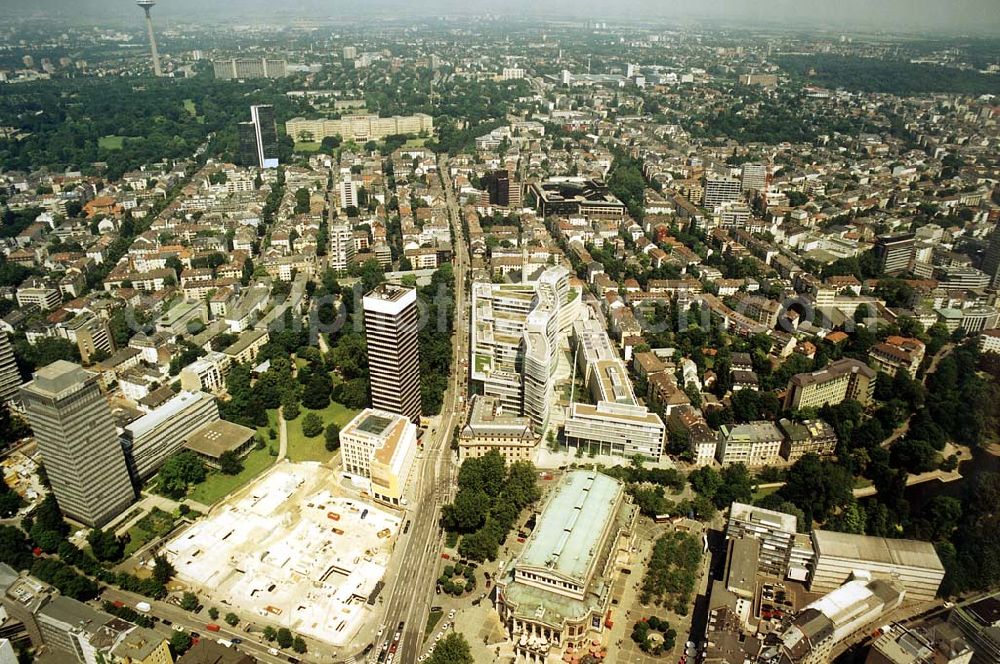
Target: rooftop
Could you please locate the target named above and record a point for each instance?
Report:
(217, 437)
(58, 378)
(570, 527)
(911, 553)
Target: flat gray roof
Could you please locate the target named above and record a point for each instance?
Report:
(569, 529)
(910, 553)
(217, 437)
(56, 378)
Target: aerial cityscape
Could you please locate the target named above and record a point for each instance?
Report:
(524, 333)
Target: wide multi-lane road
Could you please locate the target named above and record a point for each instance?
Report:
(412, 591)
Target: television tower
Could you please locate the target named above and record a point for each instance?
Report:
(146, 6)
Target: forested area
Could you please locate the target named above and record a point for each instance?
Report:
(760, 118)
(892, 76)
(73, 123)
(489, 501)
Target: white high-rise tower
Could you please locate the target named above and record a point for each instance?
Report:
(146, 6)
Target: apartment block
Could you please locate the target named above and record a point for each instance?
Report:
(841, 380)
(753, 444)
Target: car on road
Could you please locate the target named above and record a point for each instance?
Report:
(178, 628)
(236, 640)
(272, 651)
(167, 622)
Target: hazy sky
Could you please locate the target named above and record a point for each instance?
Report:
(980, 16)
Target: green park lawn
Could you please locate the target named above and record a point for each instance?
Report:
(155, 524)
(301, 448)
(415, 143)
(111, 142)
(190, 107)
(307, 146)
(217, 486)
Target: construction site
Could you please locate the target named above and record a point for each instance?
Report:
(293, 549)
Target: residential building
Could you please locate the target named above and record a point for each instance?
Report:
(841, 380)
(142, 646)
(379, 447)
(10, 377)
(753, 444)
(76, 435)
(774, 530)
(719, 190)
(913, 564)
(207, 373)
(895, 253)
(150, 440)
(490, 428)
(207, 651)
(90, 334)
(897, 354)
(806, 437)
(341, 247)
(246, 348)
(259, 138)
(35, 291)
(75, 631)
(556, 593)
(348, 191)
(989, 342)
(393, 350)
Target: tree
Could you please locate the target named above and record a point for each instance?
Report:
(104, 545)
(316, 389)
(230, 463)
(180, 643)
(284, 637)
(163, 570)
(312, 425)
(14, 548)
(299, 645)
(818, 487)
(213, 613)
(452, 649)
(232, 619)
(270, 634)
(189, 601)
(178, 472)
(290, 406)
(332, 437)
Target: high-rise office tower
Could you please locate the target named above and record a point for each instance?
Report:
(259, 138)
(146, 6)
(753, 176)
(991, 261)
(10, 378)
(79, 444)
(393, 351)
(895, 253)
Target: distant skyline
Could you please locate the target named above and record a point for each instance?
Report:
(973, 16)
